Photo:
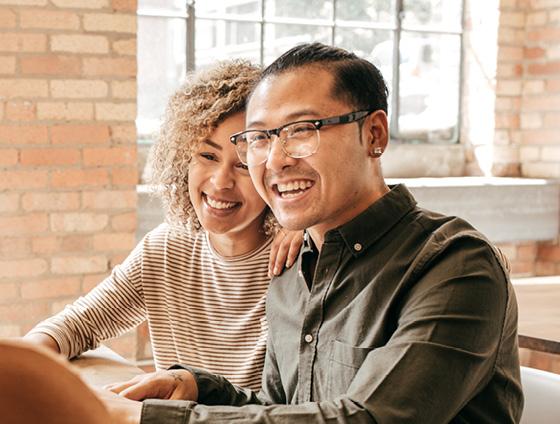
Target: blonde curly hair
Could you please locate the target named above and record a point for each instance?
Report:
(196, 109)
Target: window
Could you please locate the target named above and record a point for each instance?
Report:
(415, 43)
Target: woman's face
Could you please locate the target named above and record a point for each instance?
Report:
(220, 188)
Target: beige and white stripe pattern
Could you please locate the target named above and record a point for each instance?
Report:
(202, 309)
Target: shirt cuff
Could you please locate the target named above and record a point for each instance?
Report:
(157, 411)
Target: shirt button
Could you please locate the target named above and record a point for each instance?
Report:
(308, 338)
(357, 247)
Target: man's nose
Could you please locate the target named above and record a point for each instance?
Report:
(277, 158)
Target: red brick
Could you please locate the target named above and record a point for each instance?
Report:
(9, 202)
(124, 176)
(110, 199)
(110, 156)
(527, 251)
(534, 52)
(20, 135)
(548, 68)
(552, 120)
(30, 224)
(79, 264)
(21, 111)
(8, 291)
(8, 157)
(124, 134)
(22, 42)
(80, 134)
(78, 222)
(14, 247)
(125, 47)
(23, 179)
(541, 103)
(24, 312)
(50, 288)
(541, 137)
(48, 19)
(76, 243)
(553, 85)
(7, 18)
(65, 111)
(50, 201)
(124, 5)
(81, 4)
(7, 66)
(50, 156)
(549, 252)
(522, 268)
(23, 268)
(45, 244)
(543, 268)
(113, 241)
(82, 178)
(117, 259)
(51, 65)
(124, 222)
(79, 43)
(544, 34)
(120, 67)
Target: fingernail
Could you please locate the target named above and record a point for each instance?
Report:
(276, 271)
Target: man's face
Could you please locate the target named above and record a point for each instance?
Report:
(331, 186)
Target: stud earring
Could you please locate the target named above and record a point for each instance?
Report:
(378, 151)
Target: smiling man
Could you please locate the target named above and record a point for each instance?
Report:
(392, 313)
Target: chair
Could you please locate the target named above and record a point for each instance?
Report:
(542, 396)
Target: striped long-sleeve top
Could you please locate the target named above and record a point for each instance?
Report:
(202, 309)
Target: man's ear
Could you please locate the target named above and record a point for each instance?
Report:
(377, 133)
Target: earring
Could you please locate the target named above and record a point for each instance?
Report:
(378, 151)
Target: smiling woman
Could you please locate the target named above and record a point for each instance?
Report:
(200, 280)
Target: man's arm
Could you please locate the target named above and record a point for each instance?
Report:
(440, 356)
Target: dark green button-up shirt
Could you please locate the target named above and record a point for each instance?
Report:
(409, 316)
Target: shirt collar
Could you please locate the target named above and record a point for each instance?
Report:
(366, 228)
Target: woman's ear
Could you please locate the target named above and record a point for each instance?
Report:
(377, 129)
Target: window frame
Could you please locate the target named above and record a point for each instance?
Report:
(396, 28)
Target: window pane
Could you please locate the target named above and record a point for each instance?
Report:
(246, 7)
(445, 13)
(429, 86)
(179, 6)
(161, 67)
(218, 40)
(379, 11)
(317, 9)
(280, 37)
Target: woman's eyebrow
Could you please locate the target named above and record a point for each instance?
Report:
(213, 144)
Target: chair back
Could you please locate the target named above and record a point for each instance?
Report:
(542, 397)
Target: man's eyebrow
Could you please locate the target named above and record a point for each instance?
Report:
(294, 116)
(213, 144)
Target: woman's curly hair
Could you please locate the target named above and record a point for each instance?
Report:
(196, 109)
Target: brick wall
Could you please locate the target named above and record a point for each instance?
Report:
(527, 135)
(67, 152)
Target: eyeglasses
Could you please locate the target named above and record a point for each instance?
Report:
(298, 139)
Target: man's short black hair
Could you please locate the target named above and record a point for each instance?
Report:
(356, 80)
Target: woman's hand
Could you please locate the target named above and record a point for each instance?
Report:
(284, 251)
(176, 384)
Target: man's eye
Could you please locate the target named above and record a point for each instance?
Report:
(242, 166)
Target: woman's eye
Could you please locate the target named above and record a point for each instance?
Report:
(242, 166)
(208, 156)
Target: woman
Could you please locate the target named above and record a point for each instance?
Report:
(200, 279)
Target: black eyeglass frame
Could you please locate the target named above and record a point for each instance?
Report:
(318, 123)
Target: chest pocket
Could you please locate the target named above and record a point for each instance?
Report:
(344, 362)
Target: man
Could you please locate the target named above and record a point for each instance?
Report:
(391, 313)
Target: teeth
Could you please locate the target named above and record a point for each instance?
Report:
(218, 204)
(294, 185)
